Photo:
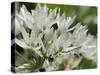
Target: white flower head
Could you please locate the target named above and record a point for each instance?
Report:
(52, 37)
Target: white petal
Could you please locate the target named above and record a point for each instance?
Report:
(26, 17)
(38, 7)
(70, 49)
(53, 13)
(17, 25)
(21, 43)
(25, 35)
(69, 21)
(37, 48)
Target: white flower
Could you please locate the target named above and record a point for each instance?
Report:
(89, 48)
(51, 36)
(29, 42)
(65, 22)
(26, 17)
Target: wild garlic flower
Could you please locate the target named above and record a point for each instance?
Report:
(51, 36)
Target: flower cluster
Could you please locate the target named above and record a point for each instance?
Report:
(52, 40)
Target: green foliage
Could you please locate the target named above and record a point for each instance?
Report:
(86, 64)
(29, 57)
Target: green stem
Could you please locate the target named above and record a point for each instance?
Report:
(25, 59)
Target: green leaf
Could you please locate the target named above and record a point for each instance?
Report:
(86, 64)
